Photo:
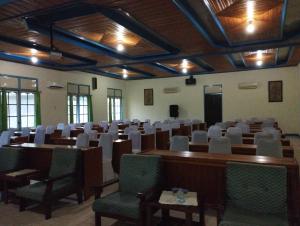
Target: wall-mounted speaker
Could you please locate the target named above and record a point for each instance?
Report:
(94, 83)
(174, 111)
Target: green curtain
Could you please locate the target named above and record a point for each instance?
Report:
(71, 108)
(90, 108)
(3, 111)
(38, 117)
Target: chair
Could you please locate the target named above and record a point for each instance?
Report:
(5, 138)
(235, 136)
(275, 132)
(148, 121)
(179, 143)
(150, 130)
(25, 132)
(234, 130)
(10, 159)
(114, 134)
(104, 125)
(39, 137)
(214, 131)
(50, 129)
(269, 147)
(262, 135)
(219, 145)
(267, 123)
(82, 140)
(93, 135)
(140, 178)
(64, 179)
(88, 127)
(243, 126)
(106, 142)
(60, 126)
(221, 124)
(199, 136)
(136, 140)
(256, 195)
(127, 130)
(66, 132)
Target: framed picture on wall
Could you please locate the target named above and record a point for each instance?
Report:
(275, 91)
(148, 97)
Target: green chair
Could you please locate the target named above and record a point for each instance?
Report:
(64, 179)
(139, 182)
(11, 159)
(256, 195)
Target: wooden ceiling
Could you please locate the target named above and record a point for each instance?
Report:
(133, 39)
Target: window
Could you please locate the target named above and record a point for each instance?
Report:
(20, 100)
(114, 104)
(78, 103)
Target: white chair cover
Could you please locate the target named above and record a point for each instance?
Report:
(66, 131)
(82, 140)
(104, 125)
(269, 147)
(60, 126)
(199, 136)
(25, 132)
(150, 130)
(275, 132)
(148, 121)
(93, 135)
(235, 137)
(266, 124)
(88, 127)
(136, 139)
(234, 130)
(179, 143)
(243, 126)
(221, 124)
(5, 138)
(196, 121)
(214, 131)
(39, 137)
(50, 129)
(262, 135)
(114, 134)
(73, 127)
(106, 142)
(219, 145)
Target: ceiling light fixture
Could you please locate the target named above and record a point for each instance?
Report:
(125, 74)
(259, 63)
(250, 27)
(259, 54)
(184, 70)
(34, 59)
(184, 63)
(250, 17)
(120, 48)
(33, 51)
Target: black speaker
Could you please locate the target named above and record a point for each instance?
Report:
(94, 83)
(174, 111)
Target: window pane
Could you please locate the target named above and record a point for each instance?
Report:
(12, 110)
(24, 121)
(82, 118)
(23, 109)
(85, 118)
(12, 98)
(23, 98)
(31, 110)
(30, 98)
(30, 121)
(81, 110)
(13, 122)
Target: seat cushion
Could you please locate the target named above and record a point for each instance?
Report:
(120, 203)
(36, 191)
(234, 216)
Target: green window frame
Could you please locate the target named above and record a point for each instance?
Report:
(114, 104)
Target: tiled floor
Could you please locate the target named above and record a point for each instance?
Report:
(69, 213)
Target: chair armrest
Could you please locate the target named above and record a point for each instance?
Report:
(148, 194)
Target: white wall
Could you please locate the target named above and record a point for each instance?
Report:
(54, 102)
(236, 103)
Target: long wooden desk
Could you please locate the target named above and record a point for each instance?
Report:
(241, 149)
(39, 157)
(250, 140)
(205, 173)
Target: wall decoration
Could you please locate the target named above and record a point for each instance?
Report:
(148, 97)
(275, 91)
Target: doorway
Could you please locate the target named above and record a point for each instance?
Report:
(213, 104)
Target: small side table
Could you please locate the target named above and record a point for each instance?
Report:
(188, 210)
(18, 178)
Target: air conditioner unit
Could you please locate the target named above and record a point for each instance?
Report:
(171, 90)
(54, 85)
(248, 85)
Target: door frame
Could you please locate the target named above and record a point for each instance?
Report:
(204, 98)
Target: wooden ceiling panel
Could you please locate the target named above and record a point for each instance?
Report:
(267, 57)
(179, 65)
(120, 71)
(165, 19)
(218, 63)
(100, 29)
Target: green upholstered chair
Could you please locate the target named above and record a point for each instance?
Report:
(64, 179)
(139, 181)
(256, 195)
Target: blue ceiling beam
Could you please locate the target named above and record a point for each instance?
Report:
(104, 73)
(164, 68)
(202, 64)
(190, 13)
(282, 19)
(231, 60)
(287, 58)
(140, 72)
(46, 49)
(4, 2)
(243, 60)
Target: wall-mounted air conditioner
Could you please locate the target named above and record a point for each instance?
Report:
(171, 90)
(248, 85)
(54, 85)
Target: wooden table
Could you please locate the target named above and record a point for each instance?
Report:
(120, 147)
(240, 149)
(39, 157)
(250, 140)
(71, 141)
(205, 173)
(162, 140)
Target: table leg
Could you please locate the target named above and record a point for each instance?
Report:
(188, 218)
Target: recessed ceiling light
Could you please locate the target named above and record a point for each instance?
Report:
(184, 63)
(250, 27)
(120, 48)
(34, 59)
(184, 70)
(259, 54)
(33, 51)
(125, 74)
(259, 63)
